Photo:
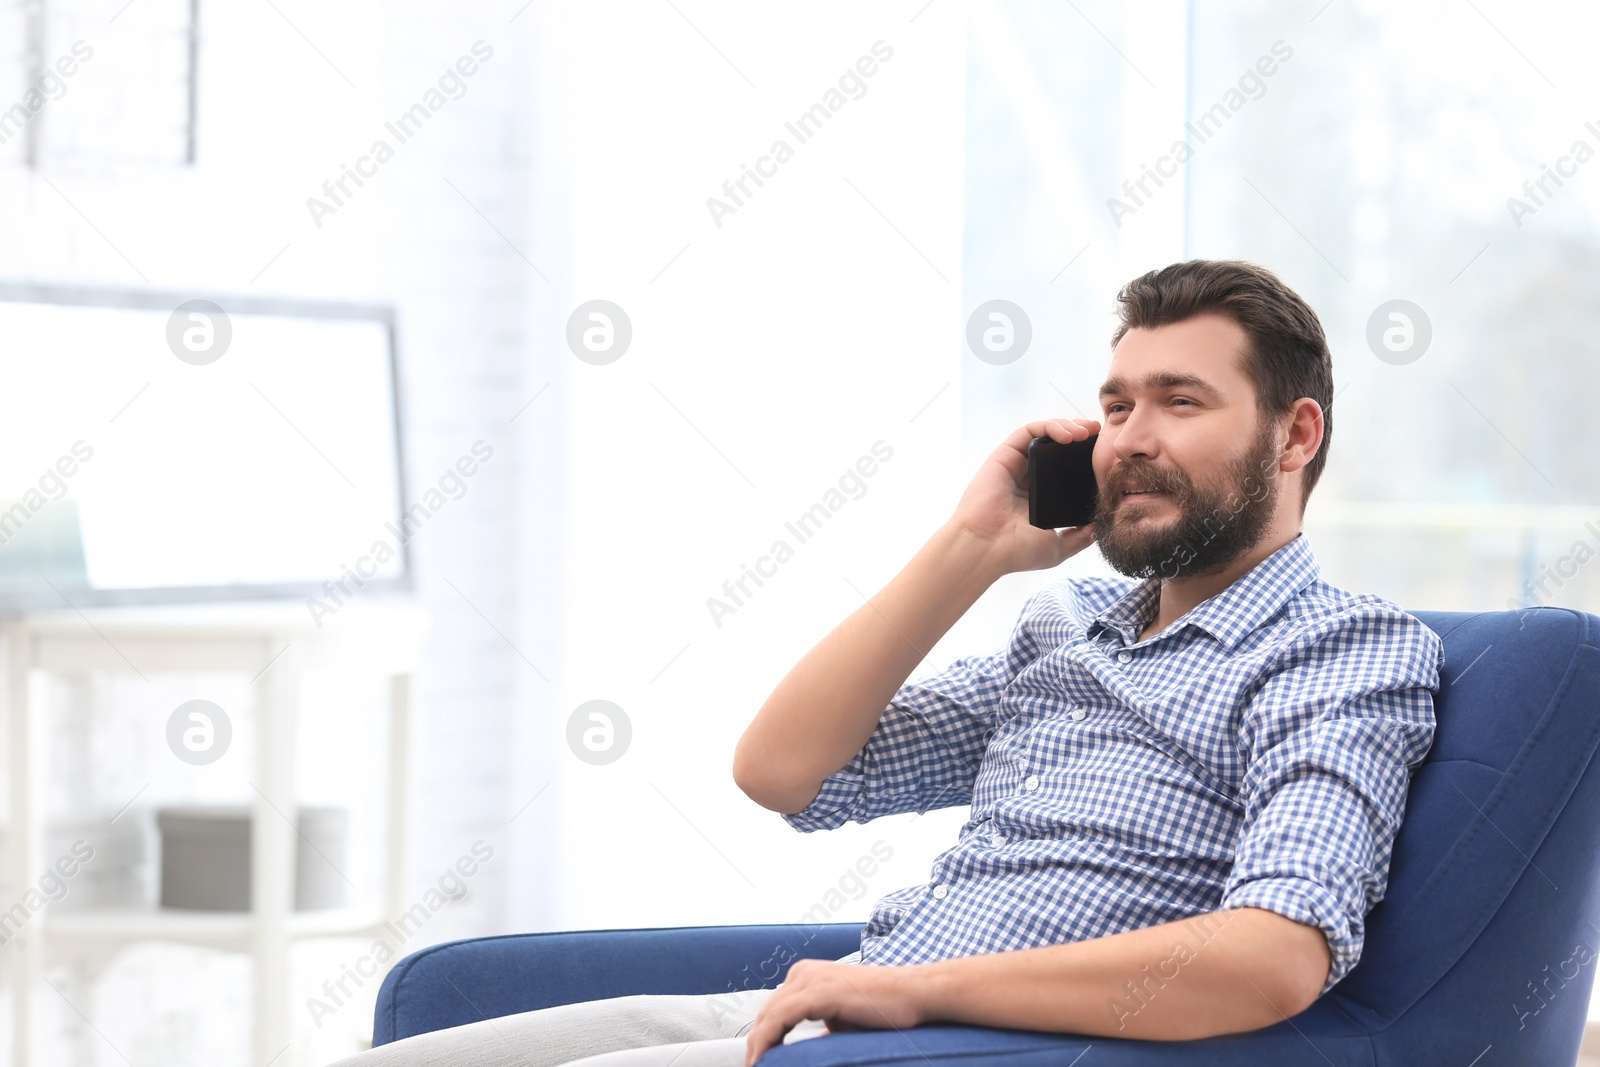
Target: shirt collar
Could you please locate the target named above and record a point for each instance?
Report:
(1252, 599)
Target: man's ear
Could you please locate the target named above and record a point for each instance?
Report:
(1304, 424)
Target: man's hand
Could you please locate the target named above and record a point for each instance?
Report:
(994, 508)
(846, 996)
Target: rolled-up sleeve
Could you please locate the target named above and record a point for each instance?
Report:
(1330, 745)
(925, 751)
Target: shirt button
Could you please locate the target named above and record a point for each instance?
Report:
(1124, 657)
(1031, 783)
(940, 892)
(1078, 714)
(998, 840)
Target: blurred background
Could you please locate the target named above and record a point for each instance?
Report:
(426, 389)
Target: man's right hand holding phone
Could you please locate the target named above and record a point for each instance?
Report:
(994, 508)
(827, 706)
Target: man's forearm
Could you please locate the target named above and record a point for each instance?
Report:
(826, 707)
(1226, 972)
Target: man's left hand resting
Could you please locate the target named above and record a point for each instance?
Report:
(1227, 972)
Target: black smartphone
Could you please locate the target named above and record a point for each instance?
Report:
(1062, 490)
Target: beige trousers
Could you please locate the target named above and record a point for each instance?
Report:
(636, 1031)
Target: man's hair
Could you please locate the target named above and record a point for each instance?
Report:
(1286, 353)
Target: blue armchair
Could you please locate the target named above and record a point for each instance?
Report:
(1482, 952)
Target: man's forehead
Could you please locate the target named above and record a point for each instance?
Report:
(1122, 385)
(1203, 354)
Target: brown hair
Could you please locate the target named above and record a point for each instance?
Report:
(1287, 354)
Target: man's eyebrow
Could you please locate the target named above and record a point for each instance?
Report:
(1115, 386)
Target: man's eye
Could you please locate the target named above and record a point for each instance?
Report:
(1112, 409)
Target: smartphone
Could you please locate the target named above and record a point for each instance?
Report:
(1062, 490)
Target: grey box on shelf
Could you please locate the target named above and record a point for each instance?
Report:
(205, 857)
(117, 875)
(107, 860)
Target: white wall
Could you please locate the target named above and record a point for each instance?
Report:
(770, 355)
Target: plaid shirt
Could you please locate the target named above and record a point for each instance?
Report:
(1255, 753)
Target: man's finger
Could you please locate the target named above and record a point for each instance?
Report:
(768, 1031)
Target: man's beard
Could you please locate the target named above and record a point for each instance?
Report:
(1214, 523)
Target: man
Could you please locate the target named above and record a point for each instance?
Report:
(1184, 789)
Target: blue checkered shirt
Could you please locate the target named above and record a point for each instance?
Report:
(1254, 753)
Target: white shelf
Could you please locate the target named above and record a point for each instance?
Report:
(215, 928)
(274, 645)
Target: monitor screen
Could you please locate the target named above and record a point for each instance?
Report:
(159, 448)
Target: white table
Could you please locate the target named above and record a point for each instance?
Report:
(275, 640)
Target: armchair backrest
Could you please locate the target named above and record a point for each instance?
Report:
(1491, 902)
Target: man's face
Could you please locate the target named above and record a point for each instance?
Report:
(1179, 421)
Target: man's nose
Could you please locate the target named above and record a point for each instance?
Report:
(1135, 438)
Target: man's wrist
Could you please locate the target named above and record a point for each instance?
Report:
(935, 988)
(971, 553)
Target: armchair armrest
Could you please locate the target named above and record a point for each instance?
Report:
(485, 978)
